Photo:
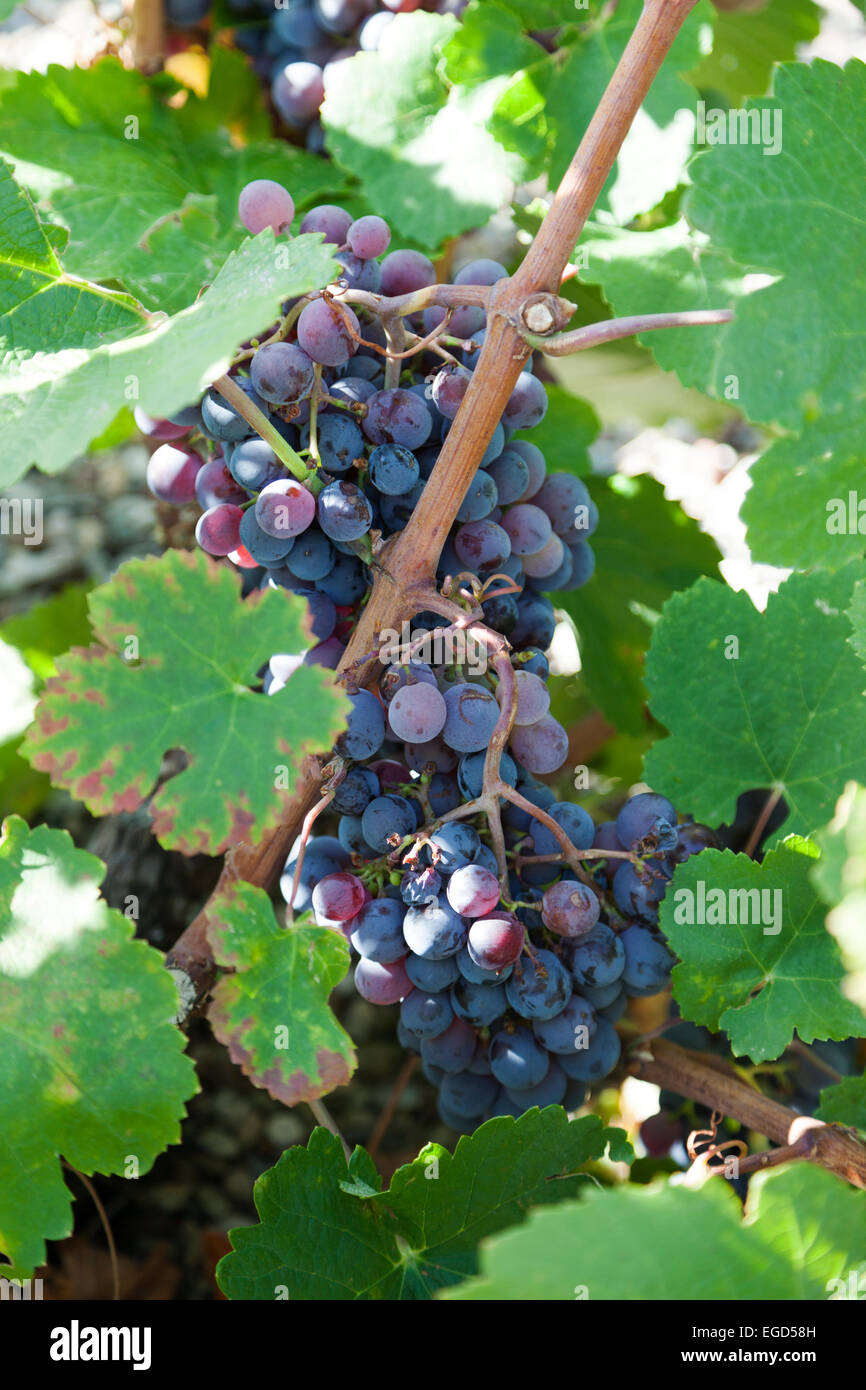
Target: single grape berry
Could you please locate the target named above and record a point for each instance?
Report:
(264, 203)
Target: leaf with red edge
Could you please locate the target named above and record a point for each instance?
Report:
(272, 1012)
(176, 658)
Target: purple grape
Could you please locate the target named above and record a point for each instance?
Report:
(533, 698)
(596, 1061)
(253, 465)
(218, 529)
(405, 271)
(417, 713)
(582, 564)
(332, 221)
(480, 1005)
(265, 549)
(560, 496)
(434, 931)
(517, 1059)
(172, 473)
(387, 816)
(298, 91)
(539, 988)
(366, 728)
(340, 442)
(541, 747)
(285, 508)
(452, 1050)
(510, 472)
(434, 976)
(312, 555)
(397, 416)
(467, 1094)
(647, 823)
(527, 404)
(282, 372)
(456, 844)
(344, 513)
(393, 469)
(472, 713)
(480, 498)
(534, 458)
(339, 897)
(449, 387)
(426, 1014)
(574, 820)
(547, 561)
(528, 528)
(382, 984)
(599, 959)
(569, 909)
(264, 203)
(569, 1030)
(550, 1091)
(482, 545)
(325, 332)
(473, 891)
(495, 942)
(369, 237)
(483, 272)
(157, 428)
(357, 274)
(214, 483)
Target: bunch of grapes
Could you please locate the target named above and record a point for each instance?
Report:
(297, 48)
(510, 971)
(369, 450)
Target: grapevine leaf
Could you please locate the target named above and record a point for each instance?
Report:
(747, 44)
(840, 878)
(428, 164)
(566, 432)
(844, 1103)
(804, 1229)
(48, 629)
(756, 958)
(106, 719)
(739, 191)
(489, 43)
(54, 403)
(272, 1012)
(37, 297)
(91, 1065)
(545, 111)
(665, 271)
(321, 1237)
(823, 468)
(105, 152)
(787, 709)
(645, 546)
(544, 14)
(857, 614)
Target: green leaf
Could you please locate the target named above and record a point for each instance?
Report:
(810, 203)
(755, 699)
(646, 548)
(48, 629)
(35, 293)
(756, 959)
(544, 113)
(91, 1065)
(148, 191)
(803, 1229)
(272, 1012)
(566, 432)
(177, 654)
(844, 1103)
(825, 465)
(427, 163)
(840, 878)
(490, 42)
(54, 403)
(746, 45)
(547, 14)
(319, 1237)
(663, 272)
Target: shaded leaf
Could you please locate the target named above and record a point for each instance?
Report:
(91, 1066)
